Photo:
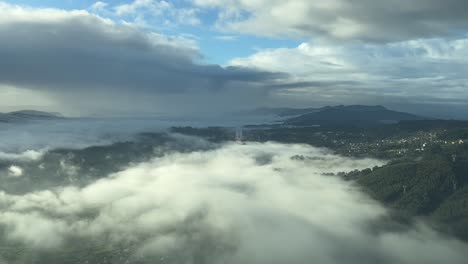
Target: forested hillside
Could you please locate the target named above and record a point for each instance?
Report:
(435, 187)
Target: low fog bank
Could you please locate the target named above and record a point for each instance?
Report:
(51, 153)
(30, 140)
(229, 203)
(37, 170)
(19, 138)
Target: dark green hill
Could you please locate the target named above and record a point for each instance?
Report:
(352, 115)
(435, 188)
(417, 188)
(454, 213)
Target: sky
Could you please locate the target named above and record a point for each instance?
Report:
(205, 57)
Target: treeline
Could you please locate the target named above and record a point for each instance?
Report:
(434, 187)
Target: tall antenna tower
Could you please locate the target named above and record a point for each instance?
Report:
(239, 135)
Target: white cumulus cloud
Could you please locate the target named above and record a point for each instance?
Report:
(15, 171)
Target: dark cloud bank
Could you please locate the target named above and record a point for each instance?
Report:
(88, 61)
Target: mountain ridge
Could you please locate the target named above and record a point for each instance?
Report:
(28, 115)
(352, 115)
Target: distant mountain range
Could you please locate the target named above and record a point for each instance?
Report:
(28, 115)
(336, 115)
(283, 111)
(329, 115)
(351, 115)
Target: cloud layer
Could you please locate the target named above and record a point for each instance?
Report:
(112, 60)
(236, 204)
(412, 75)
(79, 56)
(367, 20)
